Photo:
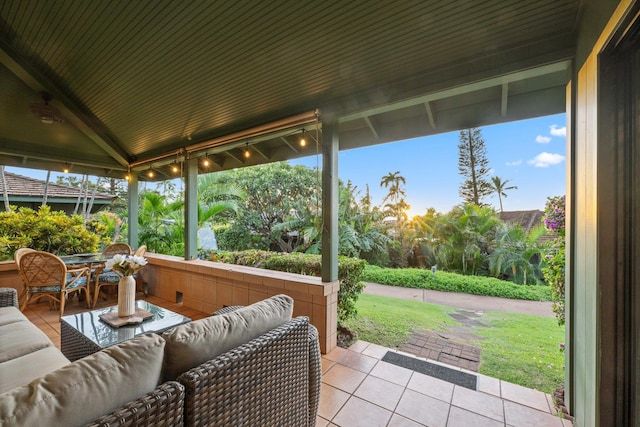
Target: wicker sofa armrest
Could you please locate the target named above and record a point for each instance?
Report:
(8, 297)
(315, 365)
(264, 382)
(163, 407)
(315, 374)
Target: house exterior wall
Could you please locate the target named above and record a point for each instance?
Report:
(586, 309)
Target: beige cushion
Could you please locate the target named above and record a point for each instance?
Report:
(22, 370)
(20, 338)
(193, 343)
(11, 315)
(87, 388)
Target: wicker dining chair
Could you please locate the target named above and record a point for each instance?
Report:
(16, 257)
(46, 275)
(109, 277)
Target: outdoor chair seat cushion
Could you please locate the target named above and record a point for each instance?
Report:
(57, 288)
(194, 343)
(86, 389)
(109, 276)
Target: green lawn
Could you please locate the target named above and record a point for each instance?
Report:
(518, 348)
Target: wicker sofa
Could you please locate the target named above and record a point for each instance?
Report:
(243, 366)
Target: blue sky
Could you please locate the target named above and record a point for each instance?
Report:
(531, 153)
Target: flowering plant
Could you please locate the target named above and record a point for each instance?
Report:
(126, 265)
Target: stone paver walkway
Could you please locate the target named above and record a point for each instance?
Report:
(431, 345)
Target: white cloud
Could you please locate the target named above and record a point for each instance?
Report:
(514, 163)
(543, 139)
(544, 160)
(556, 131)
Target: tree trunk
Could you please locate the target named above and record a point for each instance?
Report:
(93, 197)
(5, 190)
(46, 188)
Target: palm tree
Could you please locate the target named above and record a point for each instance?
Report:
(500, 186)
(392, 181)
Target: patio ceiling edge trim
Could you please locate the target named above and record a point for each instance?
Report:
(234, 140)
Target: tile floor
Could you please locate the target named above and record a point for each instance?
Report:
(359, 389)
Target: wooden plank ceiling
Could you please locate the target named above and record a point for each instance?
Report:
(136, 80)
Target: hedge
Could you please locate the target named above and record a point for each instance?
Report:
(349, 272)
(451, 282)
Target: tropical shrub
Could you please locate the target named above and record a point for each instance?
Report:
(349, 272)
(554, 271)
(43, 230)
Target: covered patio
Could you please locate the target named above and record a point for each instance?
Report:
(359, 389)
(124, 89)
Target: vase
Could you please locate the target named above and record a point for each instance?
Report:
(126, 296)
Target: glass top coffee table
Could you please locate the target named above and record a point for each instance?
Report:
(85, 333)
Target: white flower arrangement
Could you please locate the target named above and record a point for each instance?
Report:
(126, 265)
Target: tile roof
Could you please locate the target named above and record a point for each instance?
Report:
(22, 186)
(526, 219)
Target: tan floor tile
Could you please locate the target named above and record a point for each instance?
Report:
(375, 350)
(344, 378)
(489, 385)
(400, 421)
(326, 364)
(523, 416)
(359, 346)
(431, 386)
(480, 403)
(462, 418)
(395, 374)
(336, 353)
(321, 422)
(360, 413)
(358, 361)
(423, 409)
(331, 400)
(566, 423)
(552, 406)
(380, 392)
(525, 396)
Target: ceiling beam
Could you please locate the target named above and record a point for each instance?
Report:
(505, 98)
(37, 81)
(259, 151)
(230, 154)
(558, 67)
(371, 127)
(293, 148)
(430, 115)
